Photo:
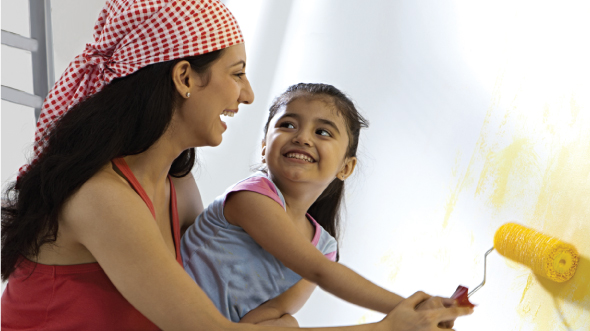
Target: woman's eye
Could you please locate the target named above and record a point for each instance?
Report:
(323, 132)
(239, 75)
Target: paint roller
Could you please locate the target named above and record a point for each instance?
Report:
(546, 256)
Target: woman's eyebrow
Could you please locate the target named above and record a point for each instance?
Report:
(242, 62)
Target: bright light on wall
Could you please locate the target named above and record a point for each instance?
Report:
(542, 42)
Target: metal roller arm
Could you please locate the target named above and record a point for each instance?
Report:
(484, 273)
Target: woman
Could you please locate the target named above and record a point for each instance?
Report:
(91, 230)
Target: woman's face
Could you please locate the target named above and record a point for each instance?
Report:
(227, 87)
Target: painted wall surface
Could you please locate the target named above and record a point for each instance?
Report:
(480, 115)
(531, 164)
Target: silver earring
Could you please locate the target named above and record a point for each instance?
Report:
(188, 94)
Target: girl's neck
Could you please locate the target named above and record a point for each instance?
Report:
(298, 196)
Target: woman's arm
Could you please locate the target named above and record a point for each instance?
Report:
(113, 223)
(287, 303)
(268, 224)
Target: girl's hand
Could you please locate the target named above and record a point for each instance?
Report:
(438, 302)
(405, 316)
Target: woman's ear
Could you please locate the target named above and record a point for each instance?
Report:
(347, 168)
(183, 79)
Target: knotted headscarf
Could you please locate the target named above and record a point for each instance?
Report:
(129, 35)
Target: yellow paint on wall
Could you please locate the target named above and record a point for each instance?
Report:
(362, 320)
(529, 281)
(565, 191)
(531, 164)
(511, 164)
(465, 180)
(538, 172)
(392, 262)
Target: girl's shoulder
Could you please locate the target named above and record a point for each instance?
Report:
(258, 183)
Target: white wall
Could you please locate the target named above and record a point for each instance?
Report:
(472, 107)
(480, 114)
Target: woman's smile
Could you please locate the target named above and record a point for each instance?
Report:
(229, 113)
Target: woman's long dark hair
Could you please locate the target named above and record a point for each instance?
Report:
(326, 209)
(125, 118)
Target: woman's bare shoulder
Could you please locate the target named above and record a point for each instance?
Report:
(105, 192)
(95, 204)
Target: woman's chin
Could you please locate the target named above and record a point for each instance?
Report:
(211, 142)
(216, 142)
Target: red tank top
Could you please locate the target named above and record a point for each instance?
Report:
(76, 297)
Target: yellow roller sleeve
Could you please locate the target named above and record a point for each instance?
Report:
(545, 255)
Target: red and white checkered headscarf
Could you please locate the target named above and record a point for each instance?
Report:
(129, 35)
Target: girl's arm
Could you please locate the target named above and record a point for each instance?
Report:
(268, 224)
(188, 199)
(287, 303)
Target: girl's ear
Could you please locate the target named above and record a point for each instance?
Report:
(347, 168)
(263, 151)
(183, 78)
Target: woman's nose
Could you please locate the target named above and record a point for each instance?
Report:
(246, 94)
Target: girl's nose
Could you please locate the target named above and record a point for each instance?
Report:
(302, 138)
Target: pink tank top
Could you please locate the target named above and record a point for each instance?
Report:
(76, 297)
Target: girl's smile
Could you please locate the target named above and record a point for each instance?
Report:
(299, 156)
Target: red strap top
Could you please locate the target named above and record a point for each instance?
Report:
(124, 168)
(75, 297)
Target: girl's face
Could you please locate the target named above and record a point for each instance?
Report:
(307, 142)
(226, 89)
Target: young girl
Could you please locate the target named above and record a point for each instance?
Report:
(272, 235)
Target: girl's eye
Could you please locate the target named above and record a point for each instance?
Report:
(239, 75)
(323, 132)
(287, 125)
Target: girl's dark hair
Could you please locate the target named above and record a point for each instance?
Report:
(125, 118)
(326, 209)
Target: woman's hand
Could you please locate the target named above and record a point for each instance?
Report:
(286, 320)
(406, 316)
(283, 306)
